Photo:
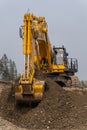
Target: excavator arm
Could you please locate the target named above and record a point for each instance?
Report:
(30, 88)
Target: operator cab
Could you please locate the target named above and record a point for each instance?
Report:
(59, 55)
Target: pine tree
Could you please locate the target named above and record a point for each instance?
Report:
(8, 70)
(4, 67)
(12, 70)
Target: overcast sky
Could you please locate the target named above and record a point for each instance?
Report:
(67, 25)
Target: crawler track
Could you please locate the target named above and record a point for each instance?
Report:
(74, 81)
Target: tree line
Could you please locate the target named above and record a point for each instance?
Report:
(8, 69)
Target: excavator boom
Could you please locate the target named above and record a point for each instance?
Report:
(29, 87)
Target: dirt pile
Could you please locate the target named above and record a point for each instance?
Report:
(58, 110)
(51, 113)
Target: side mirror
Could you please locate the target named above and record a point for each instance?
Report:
(20, 32)
(67, 54)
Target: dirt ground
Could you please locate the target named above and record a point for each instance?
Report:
(60, 109)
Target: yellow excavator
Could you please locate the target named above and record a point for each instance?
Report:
(39, 56)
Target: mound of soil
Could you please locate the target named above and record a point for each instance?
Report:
(59, 109)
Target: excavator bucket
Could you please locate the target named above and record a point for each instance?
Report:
(30, 92)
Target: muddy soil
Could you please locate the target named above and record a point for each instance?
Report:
(60, 109)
